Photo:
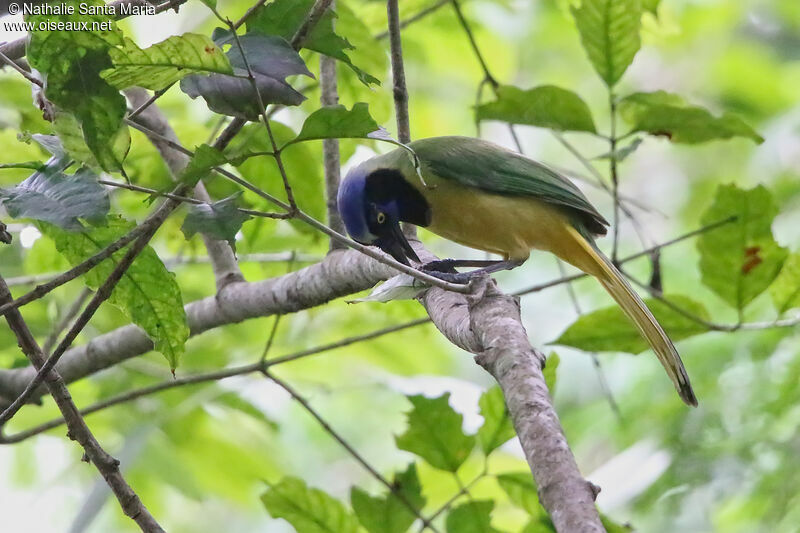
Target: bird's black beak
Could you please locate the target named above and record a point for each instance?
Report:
(395, 244)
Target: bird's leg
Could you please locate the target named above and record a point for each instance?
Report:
(449, 265)
(463, 277)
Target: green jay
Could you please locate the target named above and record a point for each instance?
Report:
(483, 196)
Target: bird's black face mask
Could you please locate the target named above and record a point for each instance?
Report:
(384, 222)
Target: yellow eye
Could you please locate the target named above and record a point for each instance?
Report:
(381, 218)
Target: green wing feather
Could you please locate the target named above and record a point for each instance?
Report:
(483, 165)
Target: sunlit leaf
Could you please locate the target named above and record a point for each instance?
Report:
(546, 106)
(148, 293)
(608, 329)
(471, 517)
(497, 427)
(388, 513)
(165, 62)
(50, 195)
(739, 260)
(521, 490)
(610, 34)
(434, 433)
(308, 510)
(221, 220)
(785, 290)
(204, 159)
(549, 371)
(669, 115)
(284, 18)
(331, 122)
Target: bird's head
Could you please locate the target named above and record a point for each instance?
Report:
(372, 203)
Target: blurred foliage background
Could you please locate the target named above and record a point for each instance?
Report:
(199, 456)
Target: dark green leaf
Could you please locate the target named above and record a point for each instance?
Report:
(205, 158)
(471, 517)
(539, 525)
(164, 63)
(497, 427)
(221, 220)
(610, 34)
(388, 513)
(72, 62)
(50, 195)
(148, 293)
(739, 260)
(308, 510)
(271, 60)
(785, 290)
(549, 371)
(662, 113)
(547, 106)
(284, 18)
(521, 490)
(608, 329)
(434, 433)
(332, 122)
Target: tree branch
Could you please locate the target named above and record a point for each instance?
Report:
(330, 148)
(398, 73)
(108, 467)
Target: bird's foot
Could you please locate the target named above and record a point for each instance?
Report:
(461, 278)
(442, 266)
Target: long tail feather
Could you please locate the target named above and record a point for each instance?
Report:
(601, 267)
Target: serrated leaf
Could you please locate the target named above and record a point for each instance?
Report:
(308, 510)
(164, 63)
(50, 195)
(271, 59)
(549, 371)
(337, 122)
(608, 329)
(204, 159)
(609, 32)
(399, 287)
(739, 260)
(521, 490)
(284, 18)
(388, 513)
(471, 517)
(546, 106)
(148, 293)
(434, 433)
(497, 427)
(669, 115)
(72, 61)
(785, 290)
(221, 220)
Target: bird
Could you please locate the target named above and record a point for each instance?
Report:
(484, 196)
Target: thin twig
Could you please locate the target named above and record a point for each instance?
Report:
(25, 74)
(395, 490)
(612, 161)
(398, 73)
(414, 18)
(65, 320)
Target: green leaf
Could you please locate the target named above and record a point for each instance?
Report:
(50, 195)
(608, 329)
(434, 433)
(609, 32)
(284, 18)
(164, 63)
(70, 133)
(205, 158)
(785, 290)
(471, 517)
(546, 106)
(623, 153)
(539, 525)
(388, 513)
(72, 61)
(521, 490)
(739, 260)
(308, 510)
(651, 6)
(497, 427)
(271, 59)
(148, 293)
(221, 220)
(549, 371)
(337, 122)
(667, 114)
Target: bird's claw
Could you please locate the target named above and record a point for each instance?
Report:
(461, 278)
